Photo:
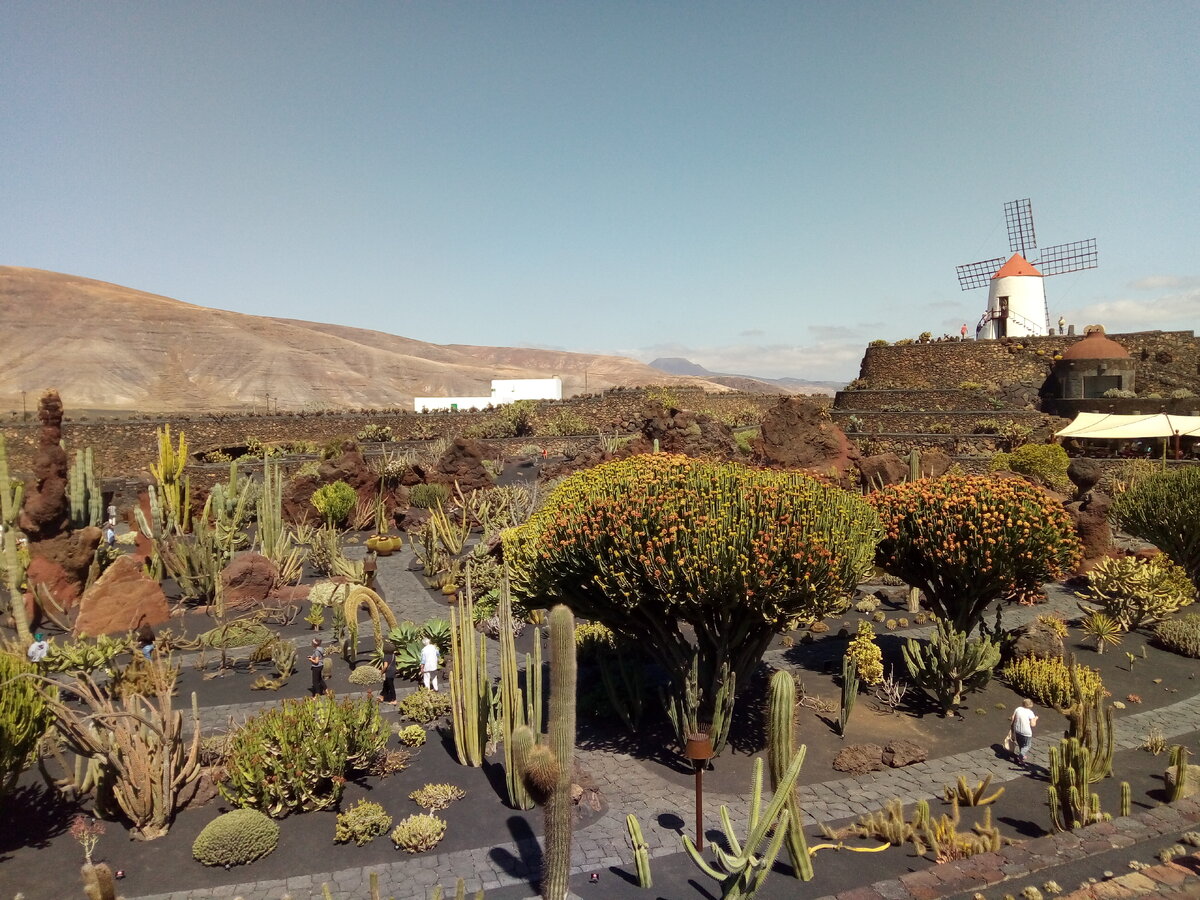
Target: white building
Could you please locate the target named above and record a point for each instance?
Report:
(1016, 302)
(504, 390)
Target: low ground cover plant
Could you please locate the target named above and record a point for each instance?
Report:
(236, 838)
(361, 823)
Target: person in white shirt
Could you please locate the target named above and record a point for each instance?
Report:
(38, 649)
(1023, 720)
(430, 657)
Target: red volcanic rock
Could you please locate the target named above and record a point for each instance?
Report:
(798, 434)
(859, 759)
(248, 579)
(1091, 524)
(882, 469)
(902, 752)
(462, 464)
(45, 511)
(121, 599)
(350, 467)
(681, 431)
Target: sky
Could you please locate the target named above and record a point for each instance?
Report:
(761, 188)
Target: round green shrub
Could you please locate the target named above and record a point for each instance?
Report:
(1047, 462)
(334, 501)
(236, 838)
(1164, 509)
(366, 676)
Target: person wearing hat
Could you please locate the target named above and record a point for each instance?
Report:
(38, 649)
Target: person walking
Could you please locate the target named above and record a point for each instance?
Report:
(1023, 721)
(316, 660)
(430, 657)
(963, 331)
(387, 693)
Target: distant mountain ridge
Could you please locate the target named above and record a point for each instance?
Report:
(677, 365)
(108, 347)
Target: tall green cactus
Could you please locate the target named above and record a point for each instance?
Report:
(914, 464)
(154, 529)
(470, 688)
(87, 500)
(174, 487)
(1126, 799)
(949, 664)
(1179, 763)
(641, 851)
(517, 707)
(1071, 806)
(10, 504)
(547, 767)
(744, 867)
(1091, 720)
(781, 749)
(849, 693)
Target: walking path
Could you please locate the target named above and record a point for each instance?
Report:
(630, 787)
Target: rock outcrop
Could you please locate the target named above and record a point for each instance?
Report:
(798, 434)
(121, 599)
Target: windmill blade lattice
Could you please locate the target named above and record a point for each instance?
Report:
(978, 274)
(1071, 257)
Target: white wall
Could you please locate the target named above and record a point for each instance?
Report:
(1026, 307)
(510, 390)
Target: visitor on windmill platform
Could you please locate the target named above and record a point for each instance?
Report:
(1062, 324)
(430, 656)
(316, 661)
(1023, 721)
(387, 693)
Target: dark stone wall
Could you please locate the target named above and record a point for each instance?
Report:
(1166, 360)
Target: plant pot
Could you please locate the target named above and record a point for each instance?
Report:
(382, 544)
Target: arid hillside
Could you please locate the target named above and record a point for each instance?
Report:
(108, 347)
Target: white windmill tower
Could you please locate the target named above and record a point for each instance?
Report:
(1016, 296)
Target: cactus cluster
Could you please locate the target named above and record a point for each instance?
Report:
(939, 837)
(295, 757)
(641, 851)
(520, 703)
(24, 718)
(1164, 509)
(434, 797)
(236, 838)
(83, 490)
(742, 869)
(361, 823)
(366, 675)
(949, 664)
(967, 541)
(1052, 681)
(964, 795)
(1136, 591)
(1181, 635)
(416, 834)
(1071, 804)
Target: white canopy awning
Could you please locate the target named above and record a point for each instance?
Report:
(1106, 426)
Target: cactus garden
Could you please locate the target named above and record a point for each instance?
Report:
(230, 697)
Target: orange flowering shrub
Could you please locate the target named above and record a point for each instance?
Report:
(652, 543)
(967, 540)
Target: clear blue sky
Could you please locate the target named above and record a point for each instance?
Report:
(761, 187)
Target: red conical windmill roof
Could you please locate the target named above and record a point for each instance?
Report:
(1016, 265)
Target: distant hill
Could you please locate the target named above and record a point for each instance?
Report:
(677, 365)
(107, 347)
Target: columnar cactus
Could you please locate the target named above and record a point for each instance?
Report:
(87, 501)
(517, 707)
(849, 693)
(470, 688)
(781, 749)
(641, 851)
(10, 504)
(24, 717)
(1071, 806)
(1091, 720)
(547, 767)
(174, 487)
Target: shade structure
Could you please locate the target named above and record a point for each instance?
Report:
(1107, 426)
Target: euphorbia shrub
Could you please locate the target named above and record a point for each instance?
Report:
(658, 545)
(968, 540)
(1164, 509)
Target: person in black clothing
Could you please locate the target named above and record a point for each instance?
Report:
(316, 661)
(388, 693)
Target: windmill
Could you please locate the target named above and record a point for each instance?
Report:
(1017, 297)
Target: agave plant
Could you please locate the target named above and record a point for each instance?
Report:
(1103, 629)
